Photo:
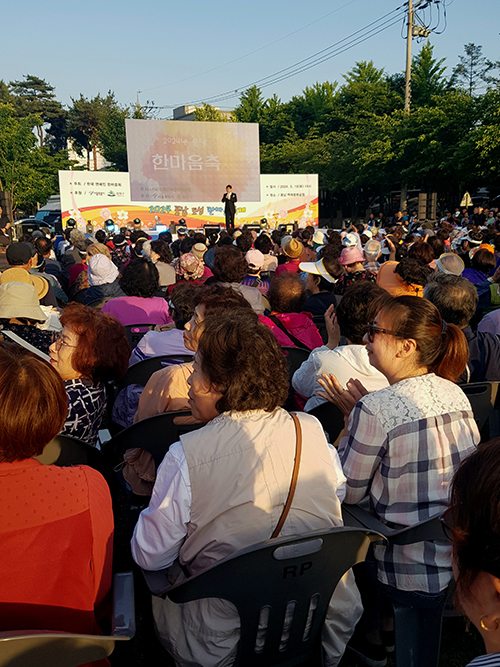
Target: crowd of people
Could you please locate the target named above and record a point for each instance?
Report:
(390, 317)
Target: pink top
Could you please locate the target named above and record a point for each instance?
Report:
(291, 267)
(300, 325)
(138, 310)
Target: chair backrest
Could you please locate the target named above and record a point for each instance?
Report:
(154, 435)
(140, 372)
(482, 396)
(99, 303)
(42, 648)
(319, 321)
(295, 357)
(281, 589)
(136, 331)
(430, 529)
(331, 418)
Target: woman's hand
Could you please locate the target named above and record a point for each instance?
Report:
(332, 328)
(392, 250)
(345, 399)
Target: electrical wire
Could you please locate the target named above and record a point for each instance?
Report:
(315, 59)
(251, 53)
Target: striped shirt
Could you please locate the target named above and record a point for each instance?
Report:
(405, 443)
(490, 660)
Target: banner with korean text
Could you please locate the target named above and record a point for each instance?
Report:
(92, 197)
(192, 161)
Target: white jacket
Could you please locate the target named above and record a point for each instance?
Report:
(345, 362)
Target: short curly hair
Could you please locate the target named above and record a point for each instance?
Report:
(241, 358)
(229, 264)
(103, 351)
(140, 278)
(183, 302)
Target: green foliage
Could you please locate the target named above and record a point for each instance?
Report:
(473, 70)
(27, 171)
(35, 96)
(250, 107)
(209, 113)
(427, 77)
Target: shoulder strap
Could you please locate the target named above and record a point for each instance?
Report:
(298, 343)
(24, 343)
(295, 475)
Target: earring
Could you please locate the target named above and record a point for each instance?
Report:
(485, 627)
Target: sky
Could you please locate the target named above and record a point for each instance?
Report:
(184, 52)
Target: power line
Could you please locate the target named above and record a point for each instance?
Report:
(313, 60)
(251, 53)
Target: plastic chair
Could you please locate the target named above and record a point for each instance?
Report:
(140, 372)
(136, 331)
(295, 357)
(42, 648)
(155, 435)
(418, 631)
(482, 397)
(331, 418)
(281, 589)
(64, 450)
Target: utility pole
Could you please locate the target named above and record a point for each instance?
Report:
(409, 37)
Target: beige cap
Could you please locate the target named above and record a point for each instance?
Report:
(198, 250)
(18, 299)
(22, 276)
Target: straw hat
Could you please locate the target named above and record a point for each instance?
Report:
(22, 276)
(291, 247)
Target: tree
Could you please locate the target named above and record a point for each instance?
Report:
(473, 69)
(35, 96)
(427, 76)
(209, 113)
(314, 108)
(367, 90)
(111, 137)
(29, 172)
(250, 107)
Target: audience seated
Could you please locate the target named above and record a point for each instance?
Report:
(264, 244)
(221, 488)
(229, 269)
(406, 277)
(352, 260)
(357, 309)
(401, 449)
(159, 253)
(456, 299)
(102, 278)
(255, 262)
(171, 341)
(21, 314)
(120, 255)
(139, 281)
(483, 263)
(291, 326)
(91, 349)
(23, 256)
(293, 250)
(321, 278)
(56, 524)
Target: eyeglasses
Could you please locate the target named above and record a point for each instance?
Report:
(372, 329)
(58, 340)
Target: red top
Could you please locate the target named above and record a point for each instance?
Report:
(56, 536)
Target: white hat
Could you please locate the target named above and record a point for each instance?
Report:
(101, 270)
(255, 259)
(350, 240)
(318, 269)
(318, 238)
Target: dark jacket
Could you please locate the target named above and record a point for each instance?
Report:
(98, 292)
(484, 357)
(318, 304)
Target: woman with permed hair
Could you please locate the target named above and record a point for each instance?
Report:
(222, 488)
(140, 282)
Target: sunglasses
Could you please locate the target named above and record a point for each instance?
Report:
(372, 329)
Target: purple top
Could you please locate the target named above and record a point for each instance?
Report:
(137, 310)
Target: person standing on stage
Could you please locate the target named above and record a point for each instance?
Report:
(229, 200)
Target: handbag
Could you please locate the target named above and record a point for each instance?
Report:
(295, 475)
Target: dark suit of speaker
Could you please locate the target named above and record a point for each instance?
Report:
(229, 200)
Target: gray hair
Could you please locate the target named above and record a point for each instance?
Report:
(455, 297)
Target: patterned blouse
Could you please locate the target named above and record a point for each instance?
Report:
(405, 443)
(86, 403)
